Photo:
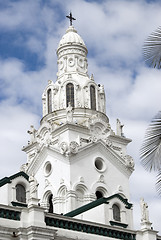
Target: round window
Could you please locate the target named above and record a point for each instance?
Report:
(99, 164)
(47, 168)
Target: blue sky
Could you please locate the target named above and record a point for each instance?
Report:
(114, 32)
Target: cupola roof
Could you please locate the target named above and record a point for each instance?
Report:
(71, 37)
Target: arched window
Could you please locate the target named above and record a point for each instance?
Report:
(93, 97)
(50, 199)
(116, 213)
(70, 94)
(20, 193)
(99, 194)
(49, 99)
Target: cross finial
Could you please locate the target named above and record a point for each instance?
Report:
(71, 18)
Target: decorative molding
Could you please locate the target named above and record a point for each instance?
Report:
(73, 146)
(18, 204)
(101, 230)
(113, 223)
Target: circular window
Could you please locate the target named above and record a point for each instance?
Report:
(47, 168)
(99, 164)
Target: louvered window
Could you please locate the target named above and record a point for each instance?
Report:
(49, 99)
(116, 213)
(93, 97)
(70, 94)
(20, 193)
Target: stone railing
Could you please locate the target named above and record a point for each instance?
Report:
(88, 227)
(10, 214)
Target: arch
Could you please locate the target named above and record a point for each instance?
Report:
(102, 187)
(81, 186)
(100, 192)
(20, 193)
(116, 212)
(43, 130)
(93, 97)
(70, 94)
(62, 191)
(46, 196)
(62, 199)
(50, 202)
(49, 100)
(80, 191)
(47, 201)
(120, 191)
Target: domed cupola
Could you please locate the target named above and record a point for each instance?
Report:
(72, 53)
(71, 37)
(73, 87)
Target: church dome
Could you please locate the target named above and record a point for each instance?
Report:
(71, 37)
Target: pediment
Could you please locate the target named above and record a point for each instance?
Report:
(6, 180)
(99, 148)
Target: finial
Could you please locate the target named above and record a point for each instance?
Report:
(71, 18)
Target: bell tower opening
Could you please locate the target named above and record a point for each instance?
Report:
(70, 94)
(49, 99)
(93, 97)
(50, 199)
(99, 194)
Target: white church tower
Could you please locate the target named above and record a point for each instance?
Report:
(75, 183)
(75, 155)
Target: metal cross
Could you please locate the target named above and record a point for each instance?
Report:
(71, 18)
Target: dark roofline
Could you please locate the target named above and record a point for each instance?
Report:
(6, 180)
(97, 203)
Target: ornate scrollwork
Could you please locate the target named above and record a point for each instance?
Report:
(61, 65)
(73, 146)
(129, 161)
(71, 62)
(63, 147)
(108, 142)
(81, 62)
(86, 105)
(93, 139)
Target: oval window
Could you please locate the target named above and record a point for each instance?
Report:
(100, 164)
(47, 168)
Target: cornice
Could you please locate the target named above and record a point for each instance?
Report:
(72, 127)
(29, 147)
(119, 139)
(40, 157)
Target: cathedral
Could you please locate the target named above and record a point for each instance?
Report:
(75, 182)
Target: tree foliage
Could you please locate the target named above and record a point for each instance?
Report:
(152, 49)
(150, 152)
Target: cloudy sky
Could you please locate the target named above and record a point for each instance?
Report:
(114, 32)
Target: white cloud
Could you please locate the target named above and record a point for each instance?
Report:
(14, 123)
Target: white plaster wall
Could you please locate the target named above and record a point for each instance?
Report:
(84, 167)
(60, 170)
(4, 194)
(96, 214)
